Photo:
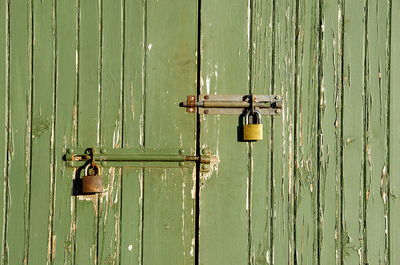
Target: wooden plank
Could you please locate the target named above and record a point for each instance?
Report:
(168, 228)
(353, 132)
(170, 75)
(377, 197)
(66, 131)
(4, 136)
(131, 216)
(111, 129)
(171, 68)
(394, 144)
(330, 161)
(260, 168)
(224, 70)
(88, 124)
(133, 130)
(306, 134)
(17, 210)
(42, 161)
(283, 134)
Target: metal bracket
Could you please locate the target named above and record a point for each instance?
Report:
(233, 104)
(126, 157)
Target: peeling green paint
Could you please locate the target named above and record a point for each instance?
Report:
(320, 189)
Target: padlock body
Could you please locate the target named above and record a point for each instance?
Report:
(92, 184)
(252, 132)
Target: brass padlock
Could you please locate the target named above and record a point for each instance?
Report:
(92, 182)
(252, 131)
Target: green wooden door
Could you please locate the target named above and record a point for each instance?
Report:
(104, 74)
(321, 188)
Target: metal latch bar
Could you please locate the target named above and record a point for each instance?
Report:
(131, 158)
(233, 104)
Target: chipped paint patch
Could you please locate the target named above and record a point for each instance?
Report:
(183, 213)
(204, 176)
(192, 247)
(193, 190)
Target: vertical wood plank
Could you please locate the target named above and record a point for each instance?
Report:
(353, 132)
(66, 131)
(377, 197)
(394, 168)
(88, 124)
(224, 203)
(133, 130)
(168, 221)
(168, 228)
(306, 129)
(283, 134)
(111, 129)
(18, 192)
(330, 161)
(170, 68)
(260, 169)
(4, 82)
(42, 165)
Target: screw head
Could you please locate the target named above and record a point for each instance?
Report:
(103, 150)
(205, 167)
(206, 97)
(206, 111)
(181, 164)
(181, 151)
(70, 151)
(277, 111)
(276, 97)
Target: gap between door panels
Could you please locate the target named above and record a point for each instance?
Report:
(198, 143)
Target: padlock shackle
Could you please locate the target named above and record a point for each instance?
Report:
(254, 113)
(94, 166)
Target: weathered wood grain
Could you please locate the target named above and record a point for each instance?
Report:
(111, 119)
(134, 17)
(66, 120)
(16, 244)
(306, 130)
(4, 83)
(224, 69)
(283, 134)
(394, 140)
(89, 103)
(260, 161)
(330, 161)
(170, 74)
(353, 141)
(42, 146)
(377, 180)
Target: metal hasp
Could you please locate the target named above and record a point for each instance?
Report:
(233, 104)
(126, 157)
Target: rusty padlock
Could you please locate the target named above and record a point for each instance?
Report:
(252, 131)
(92, 182)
